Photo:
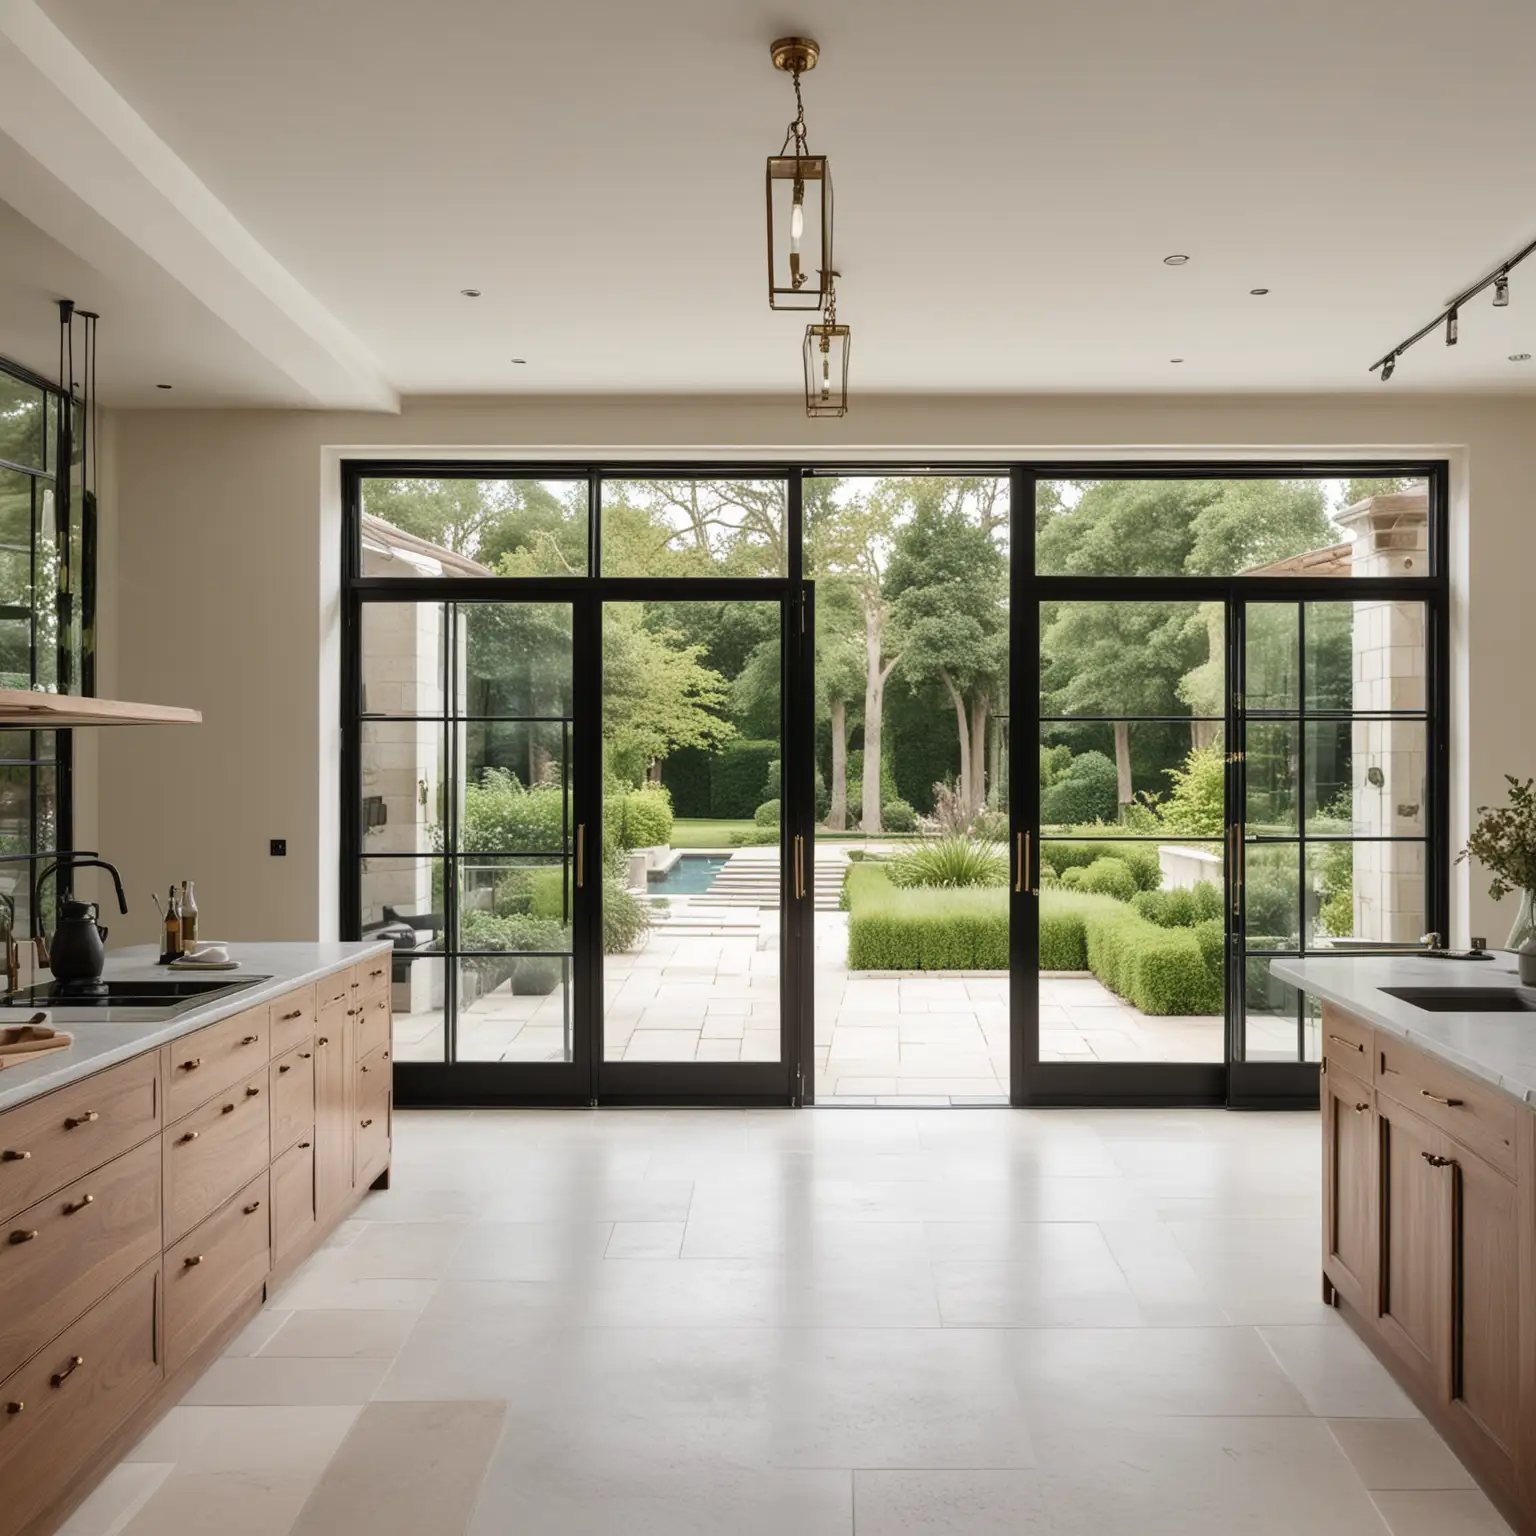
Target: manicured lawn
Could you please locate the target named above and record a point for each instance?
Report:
(706, 834)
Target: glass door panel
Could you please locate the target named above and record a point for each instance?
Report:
(693, 842)
(1335, 765)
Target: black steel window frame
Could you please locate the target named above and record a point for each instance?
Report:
(1233, 1081)
(52, 752)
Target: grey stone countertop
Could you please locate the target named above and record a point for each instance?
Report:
(1497, 1048)
(105, 1036)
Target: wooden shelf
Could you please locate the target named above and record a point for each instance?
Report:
(20, 707)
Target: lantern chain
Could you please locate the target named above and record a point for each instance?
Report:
(796, 129)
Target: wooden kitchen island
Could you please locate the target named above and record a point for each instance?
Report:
(1429, 1198)
(155, 1180)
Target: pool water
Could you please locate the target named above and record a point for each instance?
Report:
(692, 875)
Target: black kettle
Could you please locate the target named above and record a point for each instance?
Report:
(77, 951)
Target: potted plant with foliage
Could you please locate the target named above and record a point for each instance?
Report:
(1504, 843)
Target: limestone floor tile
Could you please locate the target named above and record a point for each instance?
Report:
(276, 1380)
(250, 1440)
(349, 1334)
(406, 1469)
(1440, 1513)
(1164, 1283)
(1200, 1476)
(1337, 1375)
(1088, 1374)
(645, 1240)
(1062, 1276)
(112, 1505)
(969, 1503)
(1393, 1454)
(257, 1333)
(328, 1291)
(400, 1251)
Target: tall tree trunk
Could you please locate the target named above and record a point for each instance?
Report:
(653, 773)
(979, 708)
(1123, 764)
(966, 784)
(874, 706)
(837, 812)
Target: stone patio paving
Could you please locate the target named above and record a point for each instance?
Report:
(704, 986)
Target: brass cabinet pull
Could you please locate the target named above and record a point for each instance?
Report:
(192, 1261)
(323, 1040)
(1352, 1044)
(228, 1109)
(362, 1069)
(15, 1407)
(303, 1144)
(193, 1065)
(351, 1012)
(253, 1207)
(250, 1039)
(18, 1238)
(80, 1204)
(88, 1118)
(1435, 1161)
(366, 1124)
(303, 1056)
(581, 853)
(378, 972)
(287, 1066)
(191, 1135)
(60, 1377)
(298, 1013)
(1435, 1097)
(251, 1093)
(11, 1155)
(1360, 1109)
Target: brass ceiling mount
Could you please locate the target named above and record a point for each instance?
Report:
(795, 55)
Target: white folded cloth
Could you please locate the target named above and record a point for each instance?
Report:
(207, 954)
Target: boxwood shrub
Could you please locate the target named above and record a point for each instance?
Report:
(1140, 858)
(1181, 907)
(1158, 970)
(643, 818)
(923, 929)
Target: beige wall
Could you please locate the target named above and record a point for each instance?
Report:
(227, 557)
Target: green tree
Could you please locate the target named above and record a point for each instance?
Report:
(516, 527)
(947, 585)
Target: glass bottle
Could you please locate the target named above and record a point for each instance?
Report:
(188, 918)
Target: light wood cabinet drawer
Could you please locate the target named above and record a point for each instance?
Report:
(293, 1200)
(50, 1142)
(68, 1251)
(373, 1101)
(214, 1268)
(372, 1024)
(371, 976)
(211, 1060)
(56, 1410)
(1481, 1118)
(334, 989)
(213, 1152)
(293, 1096)
(291, 1020)
(1347, 1041)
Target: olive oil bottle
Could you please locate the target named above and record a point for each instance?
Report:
(188, 918)
(172, 948)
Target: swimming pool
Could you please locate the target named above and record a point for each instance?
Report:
(692, 875)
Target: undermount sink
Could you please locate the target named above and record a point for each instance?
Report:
(1465, 999)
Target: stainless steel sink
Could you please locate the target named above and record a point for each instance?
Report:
(1466, 999)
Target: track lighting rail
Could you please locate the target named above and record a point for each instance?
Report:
(1450, 316)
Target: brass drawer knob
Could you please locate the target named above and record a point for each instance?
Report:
(18, 1238)
(192, 1261)
(189, 1136)
(303, 1145)
(253, 1207)
(1449, 1103)
(251, 1093)
(366, 1124)
(228, 1109)
(1438, 1162)
(15, 1407)
(250, 1039)
(303, 1056)
(10, 1155)
(298, 1013)
(362, 1069)
(1360, 1109)
(378, 972)
(60, 1377)
(80, 1204)
(193, 1065)
(287, 1066)
(323, 1040)
(88, 1118)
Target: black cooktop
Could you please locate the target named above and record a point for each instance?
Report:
(169, 993)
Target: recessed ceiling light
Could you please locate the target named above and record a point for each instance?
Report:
(470, 293)
(1175, 359)
(1175, 261)
(1258, 292)
(1519, 357)
(162, 386)
(519, 359)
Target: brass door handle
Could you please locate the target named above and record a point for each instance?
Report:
(1018, 864)
(799, 868)
(89, 1117)
(80, 1204)
(581, 853)
(1435, 1098)
(60, 1377)
(1436, 1161)
(18, 1238)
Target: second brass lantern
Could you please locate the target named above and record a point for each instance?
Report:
(799, 200)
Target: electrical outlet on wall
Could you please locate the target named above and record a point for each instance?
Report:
(279, 847)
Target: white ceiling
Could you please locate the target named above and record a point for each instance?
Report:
(283, 200)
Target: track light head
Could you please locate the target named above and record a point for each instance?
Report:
(1388, 368)
(1501, 290)
(1453, 328)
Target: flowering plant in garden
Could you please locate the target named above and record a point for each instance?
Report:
(1504, 840)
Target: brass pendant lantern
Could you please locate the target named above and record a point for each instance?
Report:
(827, 345)
(799, 200)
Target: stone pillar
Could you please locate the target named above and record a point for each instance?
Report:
(1389, 773)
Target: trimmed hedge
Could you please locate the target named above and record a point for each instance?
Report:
(1158, 970)
(737, 776)
(1140, 858)
(1181, 907)
(642, 818)
(1105, 877)
(767, 814)
(898, 816)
